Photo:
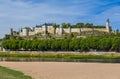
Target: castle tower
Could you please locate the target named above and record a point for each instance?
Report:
(61, 30)
(45, 29)
(11, 31)
(69, 29)
(108, 25)
(25, 32)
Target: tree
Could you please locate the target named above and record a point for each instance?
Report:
(88, 25)
(55, 26)
(116, 44)
(65, 44)
(83, 44)
(99, 26)
(80, 25)
(66, 25)
(105, 44)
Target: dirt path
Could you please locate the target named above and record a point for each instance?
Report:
(63, 70)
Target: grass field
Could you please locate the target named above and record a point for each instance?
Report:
(6, 73)
(62, 55)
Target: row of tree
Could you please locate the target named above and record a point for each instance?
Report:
(78, 25)
(75, 44)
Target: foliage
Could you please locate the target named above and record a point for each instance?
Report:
(98, 26)
(66, 25)
(55, 25)
(81, 25)
(74, 44)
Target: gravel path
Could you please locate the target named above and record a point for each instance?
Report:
(64, 70)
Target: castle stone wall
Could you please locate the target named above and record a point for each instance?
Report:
(44, 29)
(66, 30)
(31, 33)
(75, 30)
(51, 30)
(101, 29)
(38, 30)
(25, 32)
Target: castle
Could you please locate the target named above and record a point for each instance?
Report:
(49, 28)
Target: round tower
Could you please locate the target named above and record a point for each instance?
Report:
(108, 25)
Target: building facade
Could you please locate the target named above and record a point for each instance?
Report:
(48, 28)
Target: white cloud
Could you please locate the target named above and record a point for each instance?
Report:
(27, 11)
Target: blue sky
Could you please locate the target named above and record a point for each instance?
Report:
(21, 13)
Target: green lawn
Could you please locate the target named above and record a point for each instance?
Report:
(6, 73)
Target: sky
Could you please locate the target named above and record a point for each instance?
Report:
(17, 14)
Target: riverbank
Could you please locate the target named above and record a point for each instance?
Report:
(63, 55)
(101, 57)
(63, 70)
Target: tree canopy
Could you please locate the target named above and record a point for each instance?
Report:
(81, 25)
(74, 44)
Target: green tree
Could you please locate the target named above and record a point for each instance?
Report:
(116, 44)
(66, 25)
(55, 26)
(88, 25)
(105, 44)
